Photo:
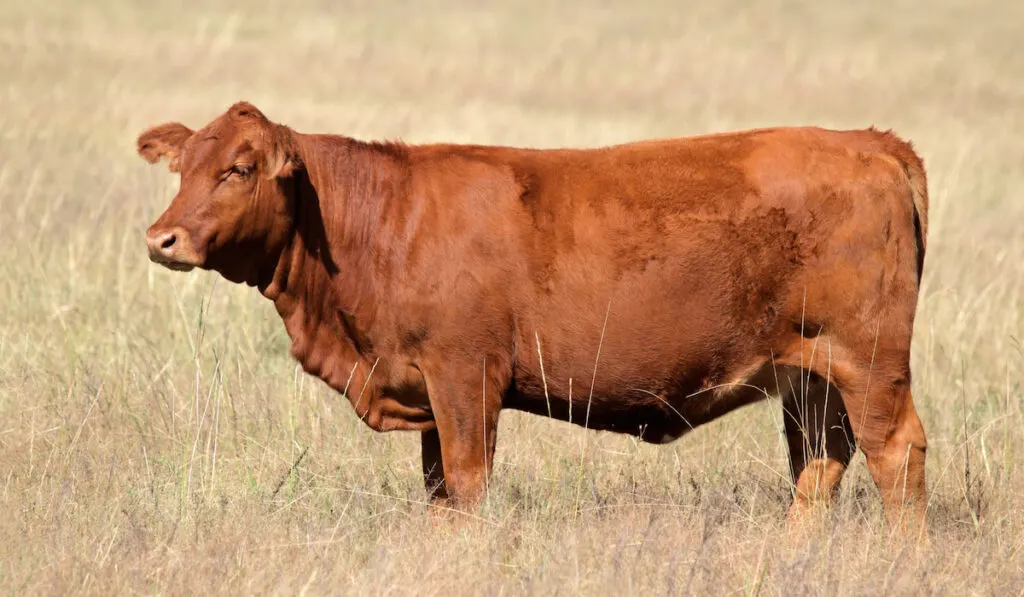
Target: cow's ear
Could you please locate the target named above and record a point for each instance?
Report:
(163, 140)
(281, 157)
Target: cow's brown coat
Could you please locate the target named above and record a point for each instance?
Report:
(668, 281)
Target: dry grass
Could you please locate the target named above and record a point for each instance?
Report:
(150, 421)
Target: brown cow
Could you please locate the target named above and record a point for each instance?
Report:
(674, 280)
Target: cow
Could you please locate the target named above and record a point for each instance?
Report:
(672, 280)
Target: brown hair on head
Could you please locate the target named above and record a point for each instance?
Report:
(280, 156)
(244, 109)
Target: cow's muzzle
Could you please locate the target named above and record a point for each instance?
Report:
(172, 249)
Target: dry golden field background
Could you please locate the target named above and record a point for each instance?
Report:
(156, 437)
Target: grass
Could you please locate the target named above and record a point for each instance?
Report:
(155, 436)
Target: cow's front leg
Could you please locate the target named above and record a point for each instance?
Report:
(433, 467)
(465, 402)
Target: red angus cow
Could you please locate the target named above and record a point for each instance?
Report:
(696, 274)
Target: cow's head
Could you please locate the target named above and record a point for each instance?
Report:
(234, 209)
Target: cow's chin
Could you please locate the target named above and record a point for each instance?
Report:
(175, 265)
(179, 267)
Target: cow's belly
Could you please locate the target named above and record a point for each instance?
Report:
(646, 346)
(662, 414)
(649, 421)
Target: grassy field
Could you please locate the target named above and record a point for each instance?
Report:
(156, 437)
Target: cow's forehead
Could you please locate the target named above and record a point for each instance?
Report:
(217, 139)
(219, 130)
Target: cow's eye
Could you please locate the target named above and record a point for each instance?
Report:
(241, 170)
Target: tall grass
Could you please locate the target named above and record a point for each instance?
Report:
(155, 436)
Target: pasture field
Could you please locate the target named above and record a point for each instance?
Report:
(157, 438)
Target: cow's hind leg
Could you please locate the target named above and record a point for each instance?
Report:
(819, 439)
(874, 383)
(891, 435)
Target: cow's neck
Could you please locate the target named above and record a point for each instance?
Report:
(322, 341)
(325, 284)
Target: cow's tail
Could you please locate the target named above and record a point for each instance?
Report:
(913, 166)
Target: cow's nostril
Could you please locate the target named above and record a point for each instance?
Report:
(168, 241)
